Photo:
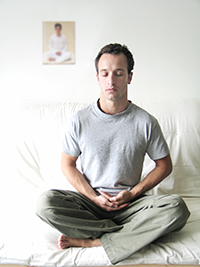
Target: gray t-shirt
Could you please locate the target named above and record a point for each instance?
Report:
(112, 147)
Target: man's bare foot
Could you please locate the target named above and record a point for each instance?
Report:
(52, 59)
(66, 242)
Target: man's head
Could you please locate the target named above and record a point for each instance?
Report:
(116, 49)
(114, 65)
(58, 28)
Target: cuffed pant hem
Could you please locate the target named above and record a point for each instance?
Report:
(108, 249)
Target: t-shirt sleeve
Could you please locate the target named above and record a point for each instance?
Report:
(70, 143)
(157, 146)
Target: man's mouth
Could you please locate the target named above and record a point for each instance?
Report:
(111, 89)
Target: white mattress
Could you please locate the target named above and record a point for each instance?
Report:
(25, 239)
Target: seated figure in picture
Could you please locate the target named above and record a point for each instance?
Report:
(58, 46)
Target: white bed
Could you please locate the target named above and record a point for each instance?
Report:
(30, 157)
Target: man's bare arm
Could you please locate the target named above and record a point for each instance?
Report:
(162, 169)
(68, 165)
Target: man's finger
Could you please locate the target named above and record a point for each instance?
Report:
(119, 207)
(113, 199)
(106, 195)
(116, 198)
(111, 205)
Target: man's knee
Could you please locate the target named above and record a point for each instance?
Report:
(44, 202)
(180, 212)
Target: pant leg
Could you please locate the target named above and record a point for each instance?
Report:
(65, 56)
(144, 220)
(73, 214)
(51, 54)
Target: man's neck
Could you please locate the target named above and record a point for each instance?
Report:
(112, 107)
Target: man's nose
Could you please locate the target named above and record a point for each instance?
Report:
(111, 80)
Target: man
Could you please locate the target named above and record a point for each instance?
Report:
(112, 136)
(58, 46)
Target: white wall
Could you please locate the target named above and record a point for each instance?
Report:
(163, 35)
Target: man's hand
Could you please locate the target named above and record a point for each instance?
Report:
(124, 197)
(59, 53)
(111, 203)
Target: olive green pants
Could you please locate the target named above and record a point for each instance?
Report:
(121, 232)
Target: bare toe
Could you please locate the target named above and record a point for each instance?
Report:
(63, 242)
(62, 238)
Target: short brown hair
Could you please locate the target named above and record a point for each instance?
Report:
(58, 25)
(116, 49)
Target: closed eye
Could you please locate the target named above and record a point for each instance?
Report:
(104, 73)
(119, 73)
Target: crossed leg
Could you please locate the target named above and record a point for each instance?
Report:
(83, 224)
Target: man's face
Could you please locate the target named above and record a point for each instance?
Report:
(58, 30)
(113, 77)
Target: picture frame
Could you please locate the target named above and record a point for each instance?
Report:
(58, 42)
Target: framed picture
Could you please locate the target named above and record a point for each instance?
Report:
(58, 42)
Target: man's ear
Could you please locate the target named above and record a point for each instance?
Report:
(97, 75)
(130, 76)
